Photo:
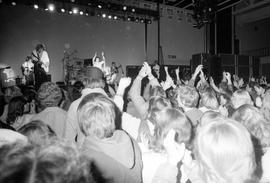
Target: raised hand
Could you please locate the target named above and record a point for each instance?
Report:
(124, 82)
(142, 72)
(175, 151)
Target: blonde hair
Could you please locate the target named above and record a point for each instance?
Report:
(241, 97)
(97, 116)
(254, 121)
(209, 100)
(266, 105)
(167, 119)
(225, 152)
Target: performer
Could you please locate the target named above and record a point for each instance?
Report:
(28, 71)
(98, 62)
(41, 64)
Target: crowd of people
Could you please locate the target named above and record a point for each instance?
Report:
(186, 130)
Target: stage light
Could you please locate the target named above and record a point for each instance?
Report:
(46, 9)
(115, 17)
(63, 10)
(110, 16)
(99, 6)
(75, 10)
(128, 18)
(142, 20)
(104, 15)
(124, 8)
(35, 6)
(51, 7)
(70, 12)
(137, 20)
(81, 12)
(133, 10)
(149, 21)
(13, 3)
(86, 14)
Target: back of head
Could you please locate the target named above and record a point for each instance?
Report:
(210, 116)
(240, 97)
(56, 163)
(15, 109)
(224, 151)
(254, 121)
(98, 115)
(266, 105)
(157, 91)
(168, 119)
(49, 95)
(156, 104)
(93, 78)
(209, 99)
(187, 96)
(38, 133)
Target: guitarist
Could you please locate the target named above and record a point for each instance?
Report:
(41, 64)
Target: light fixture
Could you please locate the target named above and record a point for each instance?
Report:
(133, 10)
(51, 7)
(63, 10)
(35, 6)
(115, 17)
(124, 8)
(128, 18)
(81, 12)
(99, 6)
(86, 14)
(75, 10)
(110, 16)
(104, 15)
(13, 3)
(142, 20)
(70, 12)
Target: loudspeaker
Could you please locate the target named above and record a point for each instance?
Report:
(88, 62)
(132, 71)
(211, 65)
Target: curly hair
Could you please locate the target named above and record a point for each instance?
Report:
(15, 109)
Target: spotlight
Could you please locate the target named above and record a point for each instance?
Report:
(137, 20)
(115, 17)
(110, 16)
(63, 10)
(13, 3)
(124, 8)
(99, 6)
(51, 7)
(103, 15)
(149, 21)
(142, 20)
(133, 10)
(128, 18)
(46, 9)
(35, 6)
(70, 12)
(86, 14)
(81, 12)
(75, 10)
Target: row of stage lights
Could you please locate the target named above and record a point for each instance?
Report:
(76, 11)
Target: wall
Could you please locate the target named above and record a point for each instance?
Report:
(22, 28)
(254, 35)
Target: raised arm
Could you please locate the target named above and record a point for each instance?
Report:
(135, 93)
(195, 74)
(118, 98)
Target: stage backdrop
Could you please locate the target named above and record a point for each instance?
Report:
(123, 42)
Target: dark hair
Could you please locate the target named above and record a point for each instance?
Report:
(39, 47)
(56, 163)
(15, 109)
(38, 133)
